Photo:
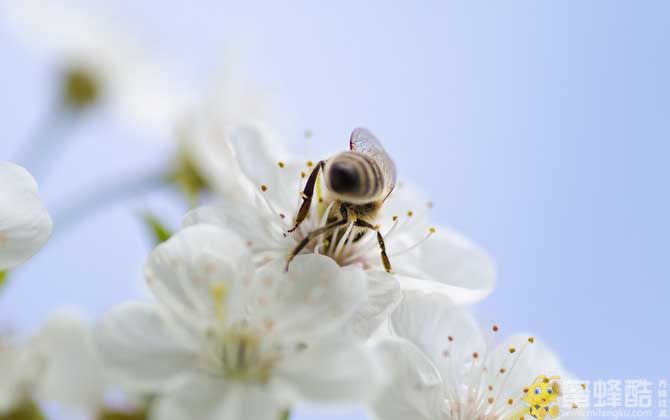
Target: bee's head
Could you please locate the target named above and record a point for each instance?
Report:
(349, 176)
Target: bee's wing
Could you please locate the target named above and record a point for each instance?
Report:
(363, 141)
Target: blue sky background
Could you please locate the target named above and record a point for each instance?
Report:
(539, 129)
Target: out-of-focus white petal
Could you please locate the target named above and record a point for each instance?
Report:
(141, 349)
(71, 372)
(186, 272)
(415, 391)
(457, 267)
(332, 372)
(25, 225)
(15, 381)
(428, 320)
(202, 397)
(315, 297)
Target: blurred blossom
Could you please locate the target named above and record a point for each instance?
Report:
(446, 368)
(227, 341)
(57, 367)
(100, 63)
(25, 225)
(233, 102)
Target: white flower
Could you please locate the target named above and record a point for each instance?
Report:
(58, 368)
(445, 368)
(227, 341)
(25, 225)
(102, 61)
(15, 379)
(261, 186)
(69, 372)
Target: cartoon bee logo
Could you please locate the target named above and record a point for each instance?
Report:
(541, 397)
(358, 181)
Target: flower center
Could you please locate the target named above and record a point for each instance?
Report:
(242, 357)
(477, 395)
(348, 243)
(80, 88)
(237, 349)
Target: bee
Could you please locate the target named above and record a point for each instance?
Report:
(358, 182)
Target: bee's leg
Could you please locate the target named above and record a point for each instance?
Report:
(307, 195)
(313, 234)
(380, 239)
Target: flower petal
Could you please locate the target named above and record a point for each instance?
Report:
(199, 274)
(457, 267)
(202, 397)
(429, 320)
(315, 297)
(140, 348)
(383, 295)
(332, 372)
(15, 363)
(25, 225)
(72, 373)
(415, 391)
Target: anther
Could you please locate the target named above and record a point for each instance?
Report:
(512, 350)
(302, 174)
(310, 163)
(491, 400)
(432, 230)
(475, 355)
(395, 218)
(264, 187)
(410, 213)
(450, 338)
(281, 164)
(531, 340)
(503, 370)
(510, 401)
(495, 328)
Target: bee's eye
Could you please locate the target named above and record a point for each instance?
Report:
(538, 390)
(550, 391)
(343, 178)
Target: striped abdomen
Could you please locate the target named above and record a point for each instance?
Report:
(354, 178)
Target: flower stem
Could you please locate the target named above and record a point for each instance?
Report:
(285, 415)
(48, 139)
(88, 203)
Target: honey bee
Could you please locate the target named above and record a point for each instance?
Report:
(358, 182)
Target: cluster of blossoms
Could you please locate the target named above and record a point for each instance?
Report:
(232, 333)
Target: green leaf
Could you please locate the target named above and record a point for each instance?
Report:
(157, 228)
(4, 274)
(109, 414)
(26, 411)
